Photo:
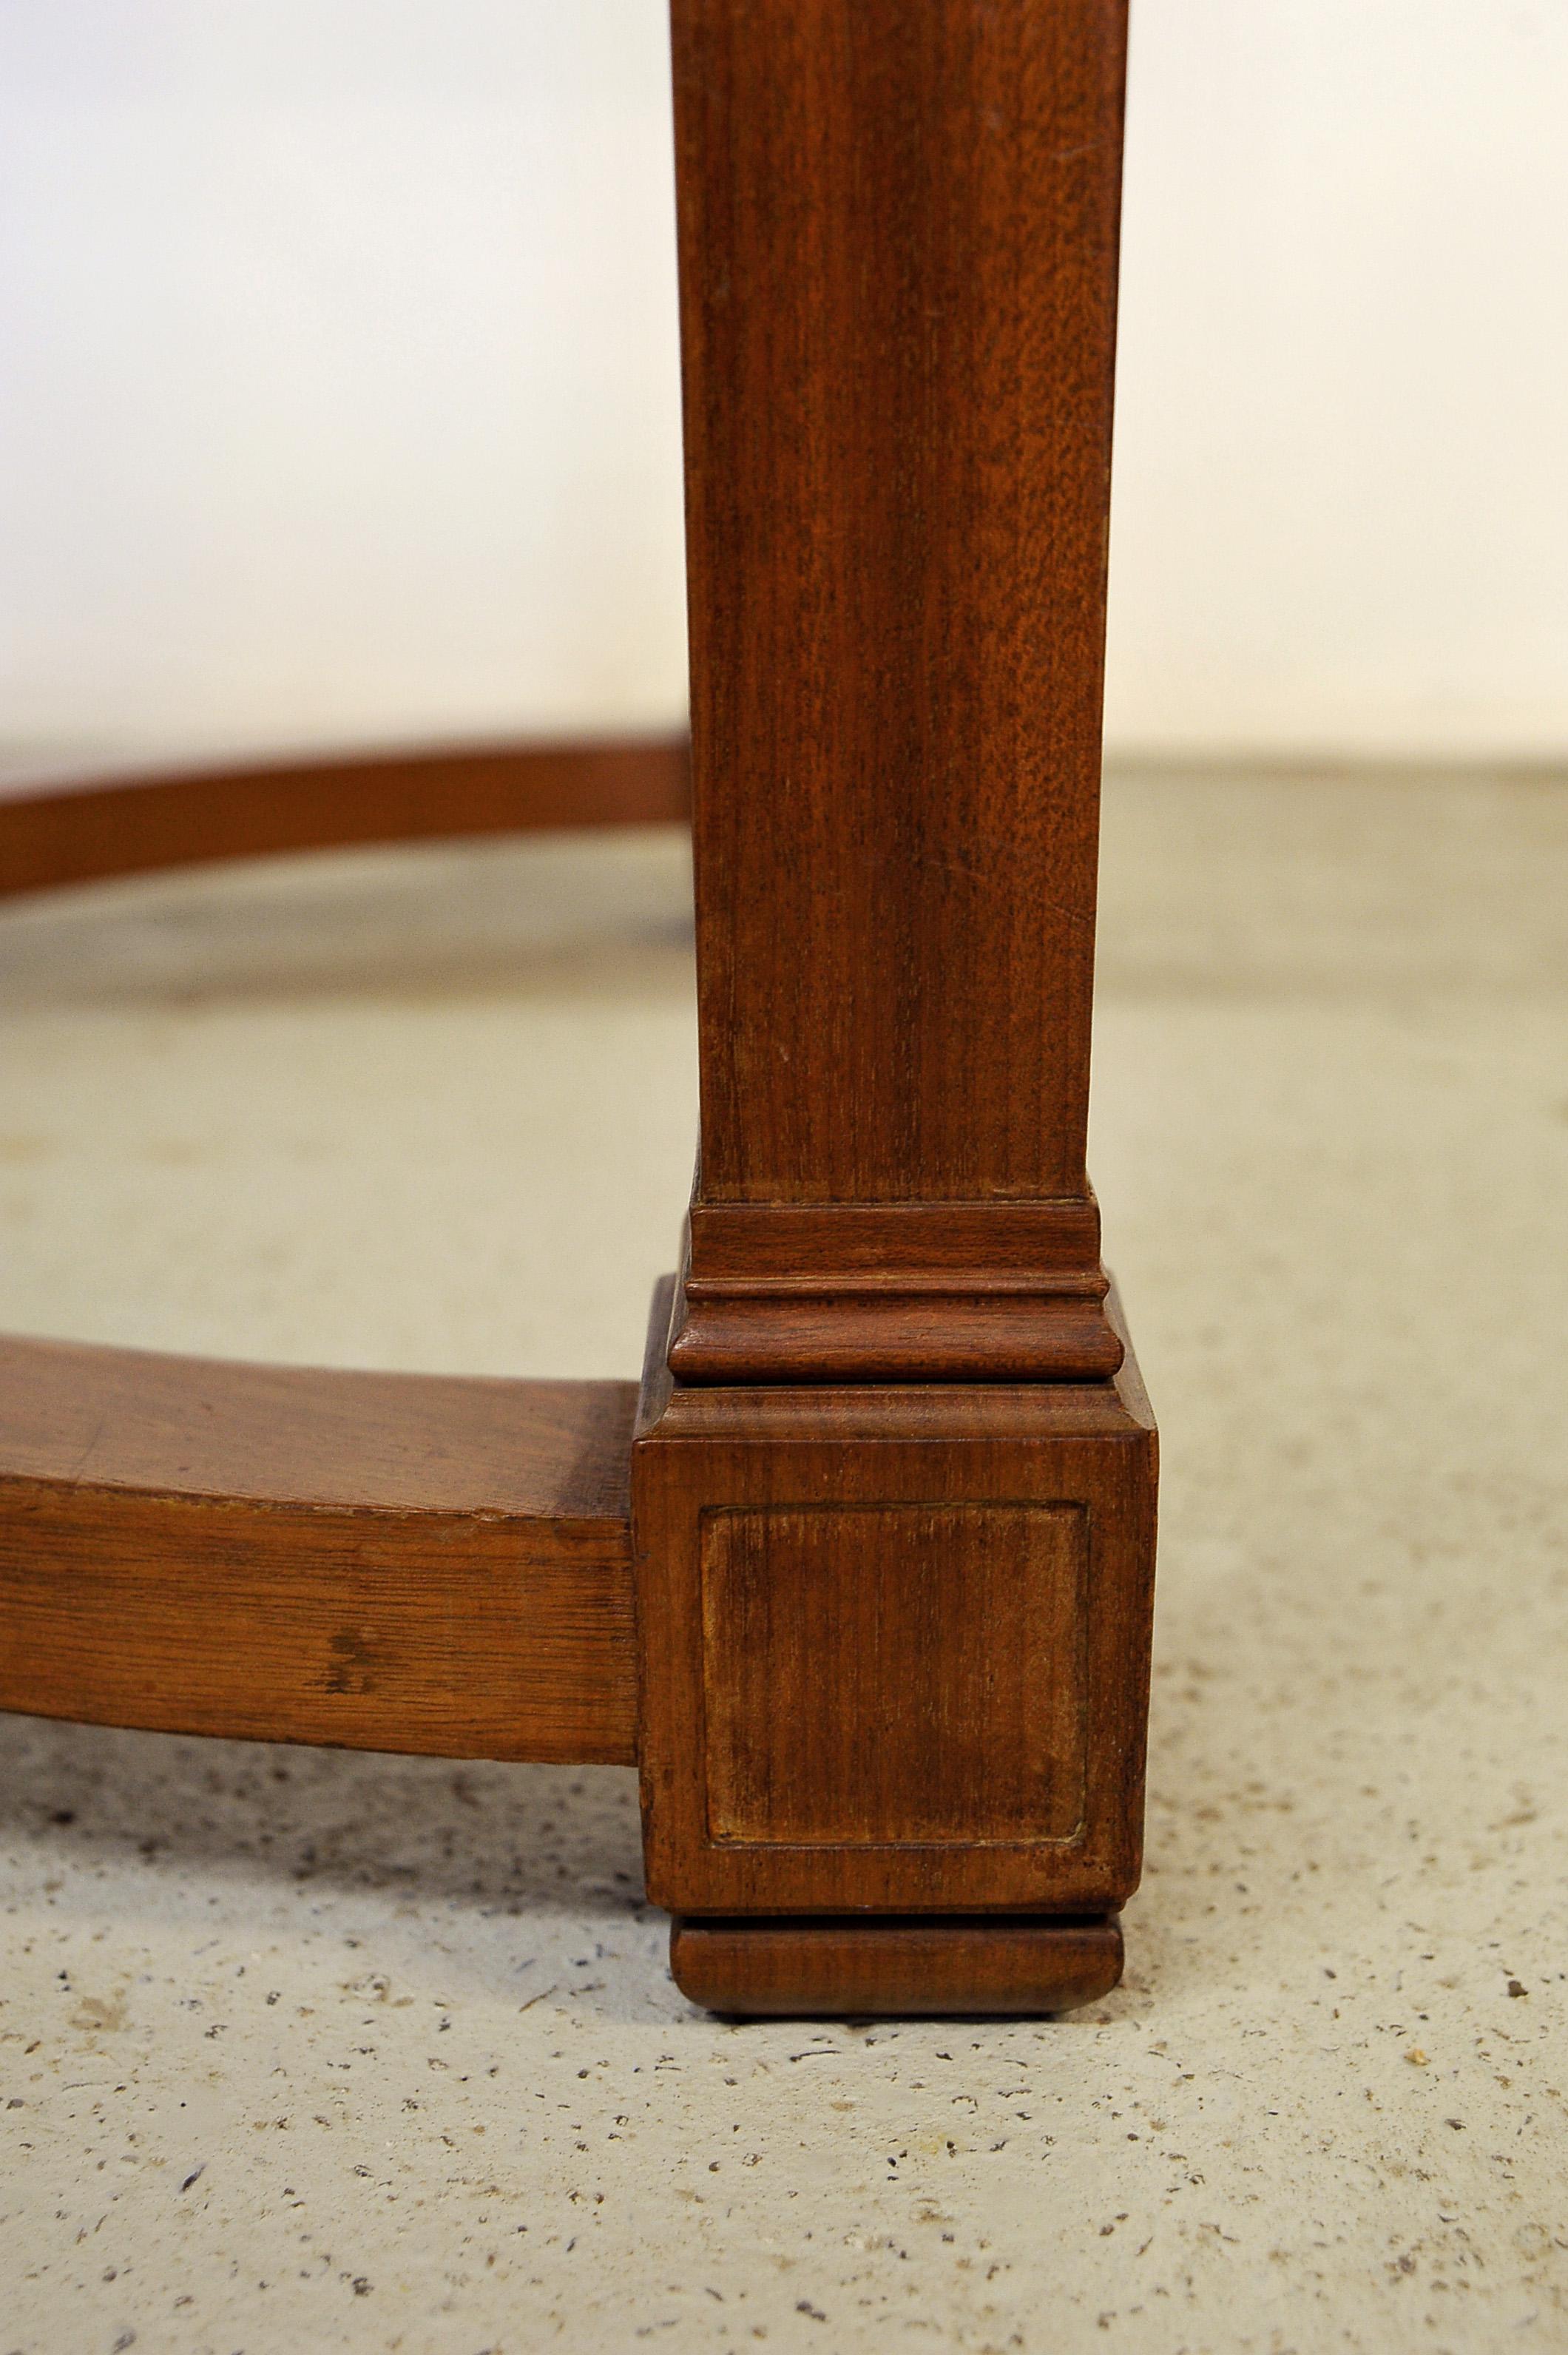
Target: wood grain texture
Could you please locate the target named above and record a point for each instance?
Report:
(884, 1336)
(853, 1968)
(894, 1292)
(75, 835)
(894, 1673)
(375, 1561)
(898, 243)
(866, 1716)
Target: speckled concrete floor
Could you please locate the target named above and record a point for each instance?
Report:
(304, 2052)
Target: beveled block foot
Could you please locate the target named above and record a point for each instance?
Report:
(848, 1966)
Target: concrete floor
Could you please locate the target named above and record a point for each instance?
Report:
(306, 2051)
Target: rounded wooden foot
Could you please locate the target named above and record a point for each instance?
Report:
(895, 1967)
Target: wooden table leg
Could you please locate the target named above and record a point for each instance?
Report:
(892, 1508)
(893, 1491)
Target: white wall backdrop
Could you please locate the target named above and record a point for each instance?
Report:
(341, 392)
(338, 396)
(1342, 503)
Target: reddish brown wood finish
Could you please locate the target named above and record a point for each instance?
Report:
(894, 1645)
(898, 237)
(73, 835)
(1005, 1292)
(893, 1500)
(382, 1561)
(855, 1969)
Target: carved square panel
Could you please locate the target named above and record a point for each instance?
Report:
(894, 1674)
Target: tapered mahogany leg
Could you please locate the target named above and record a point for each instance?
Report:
(893, 1490)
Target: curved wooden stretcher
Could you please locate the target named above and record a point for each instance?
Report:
(860, 1578)
(378, 1560)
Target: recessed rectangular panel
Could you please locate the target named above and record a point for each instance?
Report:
(894, 1674)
